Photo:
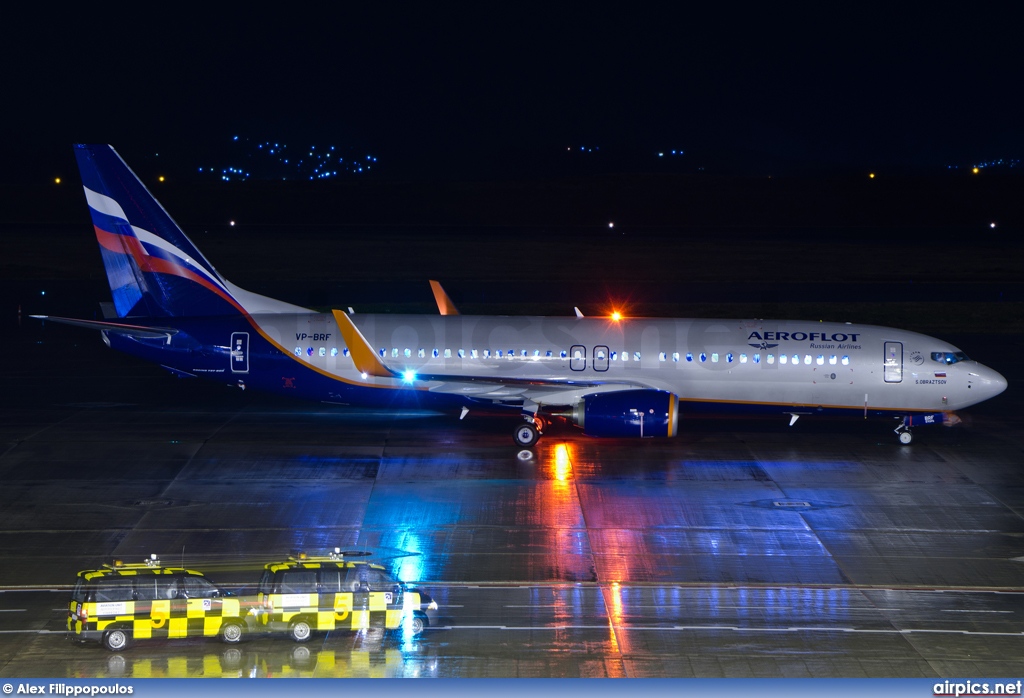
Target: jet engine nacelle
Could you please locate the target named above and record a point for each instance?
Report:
(628, 413)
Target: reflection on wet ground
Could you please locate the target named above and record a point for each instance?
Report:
(738, 549)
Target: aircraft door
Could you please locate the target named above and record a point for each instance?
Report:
(601, 358)
(239, 352)
(578, 357)
(893, 369)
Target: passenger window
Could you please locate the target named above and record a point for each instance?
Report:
(199, 588)
(743, 358)
(114, 589)
(820, 360)
(703, 357)
(421, 353)
(383, 353)
(472, 354)
(334, 351)
(771, 358)
(728, 358)
(356, 579)
(447, 353)
(689, 356)
(662, 356)
(168, 587)
(298, 582)
(487, 353)
(636, 356)
(462, 354)
(548, 354)
(394, 353)
(563, 354)
(832, 360)
(614, 355)
(714, 357)
(434, 353)
(408, 353)
(298, 351)
(675, 357)
(807, 359)
(846, 361)
(344, 351)
(524, 354)
(783, 358)
(625, 356)
(330, 580)
(757, 358)
(146, 589)
(322, 351)
(500, 354)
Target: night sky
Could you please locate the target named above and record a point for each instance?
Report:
(503, 90)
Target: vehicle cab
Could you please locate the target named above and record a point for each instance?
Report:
(120, 603)
(305, 594)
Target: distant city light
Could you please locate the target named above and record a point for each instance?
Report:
(992, 224)
(871, 176)
(56, 180)
(611, 224)
(232, 224)
(975, 170)
(160, 178)
(269, 160)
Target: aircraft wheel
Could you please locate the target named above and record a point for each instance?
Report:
(525, 435)
(906, 437)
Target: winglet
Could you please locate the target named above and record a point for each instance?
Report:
(578, 313)
(362, 353)
(444, 303)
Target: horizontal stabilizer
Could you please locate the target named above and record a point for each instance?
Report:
(115, 327)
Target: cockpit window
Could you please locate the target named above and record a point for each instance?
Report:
(949, 357)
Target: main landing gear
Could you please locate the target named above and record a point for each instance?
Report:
(527, 434)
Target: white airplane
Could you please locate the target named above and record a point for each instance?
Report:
(610, 376)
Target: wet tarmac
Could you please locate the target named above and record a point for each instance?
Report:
(740, 548)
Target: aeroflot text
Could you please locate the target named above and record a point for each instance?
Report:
(804, 336)
(949, 688)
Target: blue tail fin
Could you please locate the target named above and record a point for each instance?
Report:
(153, 268)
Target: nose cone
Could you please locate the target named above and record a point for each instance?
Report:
(986, 381)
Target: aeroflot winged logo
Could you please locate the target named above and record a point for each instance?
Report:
(772, 336)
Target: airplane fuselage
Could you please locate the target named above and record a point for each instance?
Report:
(715, 365)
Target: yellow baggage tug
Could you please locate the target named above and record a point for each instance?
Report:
(121, 603)
(306, 594)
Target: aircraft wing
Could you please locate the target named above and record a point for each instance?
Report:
(115, 327)
(497, 388)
